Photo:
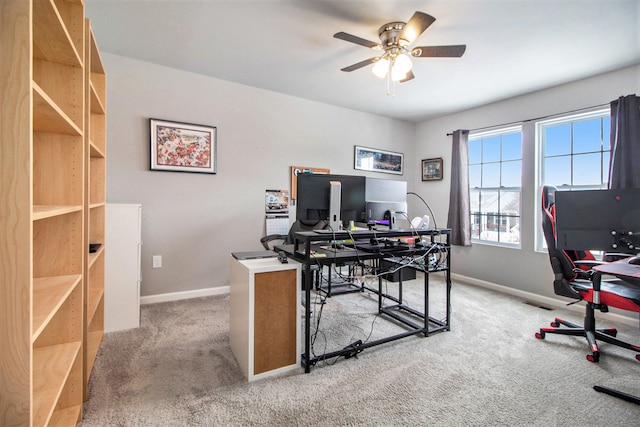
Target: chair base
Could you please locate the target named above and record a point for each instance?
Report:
(590, 332)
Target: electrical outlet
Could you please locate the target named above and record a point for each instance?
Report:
(157, 261)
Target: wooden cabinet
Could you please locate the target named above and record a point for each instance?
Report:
(264, 316)
(43, 213)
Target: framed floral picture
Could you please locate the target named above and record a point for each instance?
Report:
(432, 169)
(183, 147)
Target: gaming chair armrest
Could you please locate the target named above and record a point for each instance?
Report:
(561, 285)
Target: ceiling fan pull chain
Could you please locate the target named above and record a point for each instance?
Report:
(389, 81)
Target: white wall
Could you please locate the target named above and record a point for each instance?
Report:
(195, 220)
(522, 269)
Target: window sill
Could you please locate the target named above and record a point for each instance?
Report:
(497, 244)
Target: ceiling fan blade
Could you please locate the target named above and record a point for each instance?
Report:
(408, 77)
(452, 51)
(418, 23)
(361, 64)
(357, 40)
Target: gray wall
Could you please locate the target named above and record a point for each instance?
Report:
(523, 269)
(195, 220)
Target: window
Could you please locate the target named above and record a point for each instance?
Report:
(575, 151)
(574, 154)
(495, 181)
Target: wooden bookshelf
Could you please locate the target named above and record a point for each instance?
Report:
(52, 201)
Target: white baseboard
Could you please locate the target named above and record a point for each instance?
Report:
(542, 300)
(176, 296)
(527, 296)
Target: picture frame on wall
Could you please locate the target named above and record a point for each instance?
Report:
(374, 160)
(183, 147)
(432, 169)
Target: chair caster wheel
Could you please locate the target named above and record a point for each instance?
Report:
(593, 358)
(540, 336)
(555, 324)
(638, 357)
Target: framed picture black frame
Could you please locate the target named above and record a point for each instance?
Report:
(374, 160)
(432, 169)
(183, 147)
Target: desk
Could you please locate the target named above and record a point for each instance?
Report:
(629, 273)
(308, 250)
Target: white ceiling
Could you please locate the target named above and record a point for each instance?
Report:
(287, 46)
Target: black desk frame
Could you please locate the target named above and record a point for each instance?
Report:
(425, 325)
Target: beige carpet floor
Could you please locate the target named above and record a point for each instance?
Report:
(177, 369)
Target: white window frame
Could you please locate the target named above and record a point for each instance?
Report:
(540, 160)
(498, 132)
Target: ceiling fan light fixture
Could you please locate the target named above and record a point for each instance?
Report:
(381, 68)
(394, 63)
(401, 66)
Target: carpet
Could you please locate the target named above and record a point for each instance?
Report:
(177, 369)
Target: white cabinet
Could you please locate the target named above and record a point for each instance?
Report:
(122, 266)
(264, 316)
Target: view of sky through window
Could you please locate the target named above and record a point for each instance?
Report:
(576, 154)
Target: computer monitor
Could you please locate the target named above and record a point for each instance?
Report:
(314, 195)
(383, 197)
(598, 220)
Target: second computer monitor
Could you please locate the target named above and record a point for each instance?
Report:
(383, 197)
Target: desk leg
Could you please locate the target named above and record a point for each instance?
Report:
(448, 282)
(307, 317)
(426, 303)
(616, 393)
(400, 286)
(379, 293)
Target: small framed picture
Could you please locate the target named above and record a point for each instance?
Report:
(374, 160)
(182, 147)
(432, 169)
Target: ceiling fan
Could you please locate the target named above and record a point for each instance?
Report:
(395, 43)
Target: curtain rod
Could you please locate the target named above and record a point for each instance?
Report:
(537, 118)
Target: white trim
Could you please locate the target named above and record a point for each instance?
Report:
(176, 296)
(527, 296)
(497, 130)
(542, 300)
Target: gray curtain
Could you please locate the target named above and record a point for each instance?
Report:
(458, 220)
(624, 164)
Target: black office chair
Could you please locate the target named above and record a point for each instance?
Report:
(271, 240)
(575, 279)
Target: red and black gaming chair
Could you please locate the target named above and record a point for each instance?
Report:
(575, 279)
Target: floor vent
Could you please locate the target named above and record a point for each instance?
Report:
(533, 304)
